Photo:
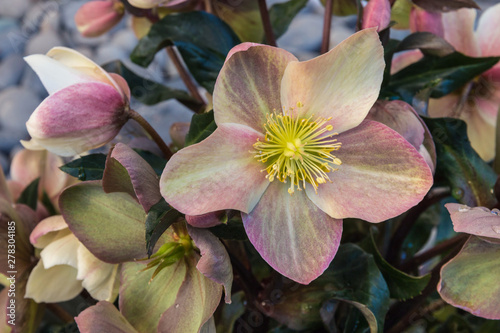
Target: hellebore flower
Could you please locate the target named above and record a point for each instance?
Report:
(470, 280)
(97, 17)
(478, 101)
(377, 14)
(86, 107)
(293, 153)
(66, 266)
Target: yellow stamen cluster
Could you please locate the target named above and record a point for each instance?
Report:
(297, 149)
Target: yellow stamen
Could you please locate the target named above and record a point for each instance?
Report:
(297, 149)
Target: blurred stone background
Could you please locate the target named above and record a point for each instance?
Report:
(30, 27)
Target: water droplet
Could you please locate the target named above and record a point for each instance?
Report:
(457, 193)
(176, 306)
(496, 229)
(463, 209)
(495, 211)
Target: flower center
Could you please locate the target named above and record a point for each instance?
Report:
(297, 149)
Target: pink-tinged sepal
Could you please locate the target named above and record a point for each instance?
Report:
(97, 17)
(78, 118)
(377, 14)
(293, 235)
(421, 20)
(479, 221)
(103, 317)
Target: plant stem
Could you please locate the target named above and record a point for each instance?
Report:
(431, 253)
(403, 313)
(186, 78)
(407, 223)
(151, 131)
(266, 22)
(327, 24)
(60, 312)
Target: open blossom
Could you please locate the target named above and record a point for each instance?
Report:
(294, 153)
(66, 266)
(97, 17)
(478, 101)
(86, 107)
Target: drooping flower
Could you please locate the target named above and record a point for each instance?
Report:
(470, 280)
(478, 101)
(97, 17)
(86, 107)
(293, 153)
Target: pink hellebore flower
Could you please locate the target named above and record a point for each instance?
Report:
(377, 14)
(279, 124)
(477, 103)
(86, 107)
(97, 17)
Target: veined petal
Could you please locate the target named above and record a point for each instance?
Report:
(56, 284)
(215, 174)
(405, 59)
(82, 64)
(458, 27)
(249, 83)
(342, 84)
(381, 176)
(103, 317)
(479, 221)
(488, 32)
(293, 235)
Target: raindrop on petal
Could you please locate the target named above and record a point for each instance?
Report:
(496, 229)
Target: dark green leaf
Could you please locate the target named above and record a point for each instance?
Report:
(231, 312)
(401, 285)
(48, 204)
(89, 167)
(233, 230)
(160, 217)
(29, 196)
(445, 5)
(428, 43)
(147, 91)
(157, 163)
(202, 39)
(470, 178)
(445, 74)
(202, 125)
(282, 14)
(352, 277)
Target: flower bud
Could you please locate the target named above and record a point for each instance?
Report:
(97, 17)
(377, 13)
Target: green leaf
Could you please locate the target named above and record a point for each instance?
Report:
(428, 43)
(202, 125)
(202, 39)
(160, 217)
(48, 204)
(89, 167)
(353, 277)
(470, 280)
(401, 285)
(445, 74)
(282, 14)
(147, 91)
(470, 178)
(157, 163)
(29, 196)
(231, 312)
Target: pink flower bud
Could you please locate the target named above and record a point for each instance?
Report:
(96, 17)
(377, 13)
(86, 107)
(421, 20)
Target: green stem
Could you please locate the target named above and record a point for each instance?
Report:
(266, 22)
(327, 24)
(152, 132)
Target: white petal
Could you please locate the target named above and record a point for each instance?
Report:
(62, 251)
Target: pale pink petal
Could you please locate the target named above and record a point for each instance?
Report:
(248, 85)
(46, 230)
(381, 176)
(405, 59)
(215, 174)
(291, 234)
(444, 106)
(61, 251)
(377, 14)
(479, 221)
(146, 4)
(424, 21)
(240, 47)
(103, 317)
(139, 175)
(458, 29)
(488, 105)
(78, 118)
(77, 61)
(488, 32)
(481, 135)
(122, 85)
(56, 284)
(342, 84)
(96, 17)
(206, 220)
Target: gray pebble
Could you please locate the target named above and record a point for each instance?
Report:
(17, 104)
(11, 70)
(14, 9)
